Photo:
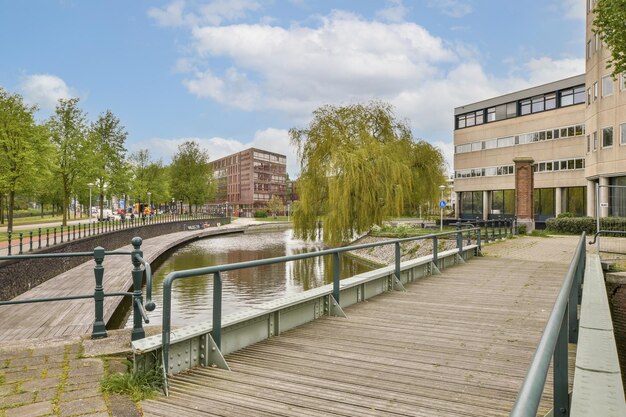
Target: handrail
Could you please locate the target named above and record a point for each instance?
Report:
(595, 236)
(218, 269)
(99, 327)
(554, 343)
(40, 238)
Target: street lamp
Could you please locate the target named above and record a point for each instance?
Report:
(90, 185)
(441, 205)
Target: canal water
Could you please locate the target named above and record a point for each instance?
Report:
(192, 298)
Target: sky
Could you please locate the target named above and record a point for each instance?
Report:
(234, 74)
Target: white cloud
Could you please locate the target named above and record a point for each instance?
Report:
(44, 90)
(395, 12)
(544, 70)
(452, 8)
(212, 13)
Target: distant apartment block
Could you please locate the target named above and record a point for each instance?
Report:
(247, 180)
(574, 131)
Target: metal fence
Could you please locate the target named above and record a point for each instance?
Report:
(611, 217)
(19, 243)
(99, 326)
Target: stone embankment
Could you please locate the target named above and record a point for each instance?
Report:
(385, 255)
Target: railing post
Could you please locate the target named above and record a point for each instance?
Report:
(30, 241)
(336, 269)
(99, 328)
(21, 238)
(459, 238)
(560, 385)
(137, 332)
(39, 238)
(493, 230)
(398, 256)
(478, 243)
(61, 234)
(216, 332)
(54, 232)
(9, 247)
(47, 237)
(435, 251)
(73, 232)
(79, 230)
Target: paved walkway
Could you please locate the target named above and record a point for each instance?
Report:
(60, 380)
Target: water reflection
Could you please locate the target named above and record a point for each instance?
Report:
(244, 288)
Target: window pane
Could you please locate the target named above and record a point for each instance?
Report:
(525, 107)
(622, 129)
(564, 132)
(460, 121)
(491, 114)
(570, 131)
(511, 110)
(501, 112)
(579, 95)
(537, 104)
(567, 98)
(607, 136)
(607, 86)
(480, 117)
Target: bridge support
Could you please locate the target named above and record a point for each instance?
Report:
(334, 309)
(211, 355)
(398, 284)
(433, 269)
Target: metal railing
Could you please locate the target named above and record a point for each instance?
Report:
(613, 247)
(45, 237)
(216, 271)
(99, 253)
(562, 327)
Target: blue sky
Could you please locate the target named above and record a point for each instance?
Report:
(239, 73)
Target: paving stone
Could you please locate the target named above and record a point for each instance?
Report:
(16, 399)
(97, 415)
(83, 406)
(80, 393)
(122, 406)
(55, 358)
(36, 360)
(46, 394)
(54, 372)
(19, 353)
(6, 389)
(31, 410)
(81, 379)
(50, 350)
(21, 376)
(39, 384)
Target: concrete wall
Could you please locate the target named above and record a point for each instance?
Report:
(18, 276)
(616, 291)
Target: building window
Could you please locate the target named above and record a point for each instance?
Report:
(572, 96)
(491, 114)
(596, 44)
(471, 204)
(622, 129)
(588, 143)
(511, 109)
(622, 84)
(575, 199)
(503, 202)
(607, 137)
(595, 91)
(607, 86)
(589, 96)
(525, 107)
(617, 196)
(589, 49)
(544, 203)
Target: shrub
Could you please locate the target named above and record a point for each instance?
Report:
(565, 214)
(260, 213)
(521, 229)
(572, 225)
(138, 385)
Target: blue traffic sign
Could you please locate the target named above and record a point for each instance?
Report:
(442, 204)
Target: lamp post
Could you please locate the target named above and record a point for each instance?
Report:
(441, 204)
(90, 185)
(149, 207)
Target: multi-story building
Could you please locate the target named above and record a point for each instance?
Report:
(574, 131)
(247, 180)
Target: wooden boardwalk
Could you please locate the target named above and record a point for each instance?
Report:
(64, 319)
(456, 344)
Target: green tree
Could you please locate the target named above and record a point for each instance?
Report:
(139, 162)
(275, 205)
(68, 129)
(192, 175)
(23, 148)
(356, 169)
(107, 137)
(610, 24)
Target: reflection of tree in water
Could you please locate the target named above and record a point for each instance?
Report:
(315, 272)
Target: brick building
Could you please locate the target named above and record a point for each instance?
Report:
(247, 180)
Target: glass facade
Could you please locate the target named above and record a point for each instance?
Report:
(502, 203)
(471, 204)
(617, 196)
(544, 203)
(575, 200)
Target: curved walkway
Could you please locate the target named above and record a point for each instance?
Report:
(64, 319)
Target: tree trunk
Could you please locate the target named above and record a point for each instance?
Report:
(10, 211)
(101, 205)
(1, 210)
(74, 207)
(66, 203)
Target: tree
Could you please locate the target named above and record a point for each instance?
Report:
(140, 161)
(69, 136)
(356, 169)
(609, 23)
(107, 137)
(191, 174)
(275, 205)
(23, 148)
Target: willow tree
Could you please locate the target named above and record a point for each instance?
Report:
(357, 167)
(610, 24)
